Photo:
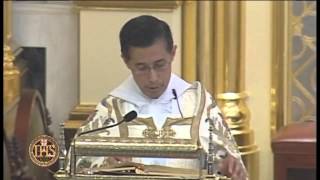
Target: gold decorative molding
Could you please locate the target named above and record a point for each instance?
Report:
(235, 110)
(302, 61)
(7, 20)
(234, 35)
(197, 42)
(219, 50)
(229, 82)
(229, 46)
(213, 52)
(82, 112)
(102, 4)
(237, 116)
(282, 77)
(189, 40)
(11, 74)
(205, 43)
(278, 59)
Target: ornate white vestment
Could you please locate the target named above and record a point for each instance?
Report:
(160, 118)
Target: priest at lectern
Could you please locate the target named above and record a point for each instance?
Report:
(175, 119)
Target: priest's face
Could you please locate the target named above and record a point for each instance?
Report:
(151, 67)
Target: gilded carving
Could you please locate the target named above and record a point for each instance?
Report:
(303, 60)
(294, 57)
(11, 77)
(158, 5)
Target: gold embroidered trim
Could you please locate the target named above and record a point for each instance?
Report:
(108, 106)
(197, 119)
(123, 128)
(143, 121)
(168, 132)
(177, 121)
(165, 132)
(223, 135)
(151, 130)
(85, 125)
(220, 128)
(151, 133)
(211, 106)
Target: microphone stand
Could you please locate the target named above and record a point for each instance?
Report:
(176, 98)
(98, 129)
(127, 118)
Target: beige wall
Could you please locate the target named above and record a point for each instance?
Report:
(101, 67)
(53, 26)
(258, 79)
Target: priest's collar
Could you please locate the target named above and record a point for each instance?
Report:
(130, 91)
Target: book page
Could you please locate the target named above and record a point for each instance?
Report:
(125, 168)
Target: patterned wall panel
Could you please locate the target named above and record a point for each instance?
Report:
(303, 61)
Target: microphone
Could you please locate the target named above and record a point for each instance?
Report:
(127, 118)
(174, 92)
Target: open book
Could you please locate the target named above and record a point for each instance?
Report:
(132, 168)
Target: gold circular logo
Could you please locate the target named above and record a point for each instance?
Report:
(44, 151)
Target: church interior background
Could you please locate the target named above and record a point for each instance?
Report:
(256, 57)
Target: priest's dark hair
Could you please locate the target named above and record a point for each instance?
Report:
(143, 31)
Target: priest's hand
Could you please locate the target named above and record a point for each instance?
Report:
(114, 161)
(232, 167)
(118, 159)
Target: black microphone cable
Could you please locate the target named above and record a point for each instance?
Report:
(176, 97)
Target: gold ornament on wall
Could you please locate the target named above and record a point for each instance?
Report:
(11, 74)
